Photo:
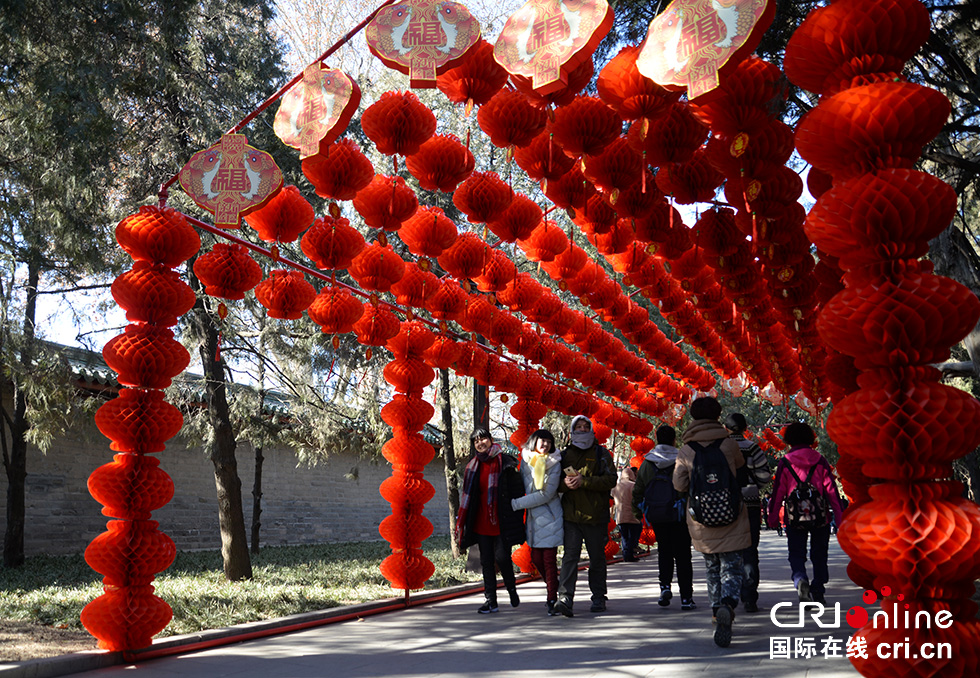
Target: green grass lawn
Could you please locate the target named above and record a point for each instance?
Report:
(287, 580)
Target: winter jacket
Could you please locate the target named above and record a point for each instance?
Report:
(660, 458)
(733, 537)
(509, 487)
(589, 503)
(544, 515)
(801, 459)
(622, 496)
(756, 467)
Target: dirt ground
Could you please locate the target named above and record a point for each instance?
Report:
(20, 641)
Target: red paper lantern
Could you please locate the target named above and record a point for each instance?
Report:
(416, 286)
(522, 558)
(407, 569)
(428, 232)
(152, 293)
(442, 354)
(332, 243)
(126, 618)
(377, 268)
(340, 172)
(479, 315)
(467, 257)
(471, 360)
(483, 197)
(545, 242)
(441, 163)
(543, 158)
(690, 182)
(398, 123)
(597, 216)
(130, 552)
(619, 237)
(753, 155)
(283, 218)
(633, 95)
(477, 78)
(146, 356)
(138, 421)
(568, 264)
(571, 190)
(131, 486)
(408, 375)
(408, 450)
(510, 120)
(617, 168)
(578, 77)
(405, 488)
(521, 293)
(449, 301)
(413, 338)
(585, 126)
(746, 98)
(286, 294)
(766, 196)
(335, 310)
(671, 137)
(386, 202)
(405, 530)
(159, 235)
(504, 328)
(639, 200)
(376, 326)
(497, 273)
(518, 220)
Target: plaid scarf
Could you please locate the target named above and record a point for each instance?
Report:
(471, 476)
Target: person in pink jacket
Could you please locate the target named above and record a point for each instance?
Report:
(800, 459)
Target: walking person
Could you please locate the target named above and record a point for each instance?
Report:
(541, 472)
(669, 525)
(706, 469)
(755, 477)
(804, 488)
(486, 517)
(588, 476)
(630, 527)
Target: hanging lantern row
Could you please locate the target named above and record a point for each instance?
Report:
(898, 429)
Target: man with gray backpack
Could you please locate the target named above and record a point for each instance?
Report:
(706, 470)
(804, 486)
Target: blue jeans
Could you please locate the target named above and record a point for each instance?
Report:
(724, 574)
(629, 539)
(796, 539)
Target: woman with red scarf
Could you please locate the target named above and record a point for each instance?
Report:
(490, 481)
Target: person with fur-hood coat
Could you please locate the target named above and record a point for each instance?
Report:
(541, 472)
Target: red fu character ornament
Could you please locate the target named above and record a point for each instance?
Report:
(692, 40)
(545, 40)
(231, 179)
(316, 110)
(422, 38)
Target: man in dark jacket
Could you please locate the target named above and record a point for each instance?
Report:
(588, 476)
(756, 477)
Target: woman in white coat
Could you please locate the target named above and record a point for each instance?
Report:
(541, 471)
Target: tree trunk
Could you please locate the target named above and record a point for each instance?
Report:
(16, 464)
(231, 517)
(257, 499)
(449, 457)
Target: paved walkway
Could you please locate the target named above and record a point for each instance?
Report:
(634, 637)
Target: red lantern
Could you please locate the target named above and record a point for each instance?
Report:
(405, 530)
(471, 360)
(332, 243)
(152, 293)
(521, 293)
(596, 217)
(571, 190)
(467, 257)
(543, 158)
(690, 182)
(617, 168)
(631, 94)
(145, 356)
(126, 618)
(340, 172)
(441, 163)
(413, 338)
(131, 486)
(483, 197)
(283, 218)
(376, 326)
(639, 201)
(130, 552)
(386, 202)
(335, 310)
(449, 301)
(416, 286)
(479, 315)
(377, 268)
(408, 375)
(477, 78)
(518, 221)
(497, 273)
(428, 232)
(159, 235)
(510, 120)
(545, 242)
(286, 294)
(442, 354)
(670, 137)
(407, 569)
(568, 264)
(138, 421)
(398, 123)
(585, 126)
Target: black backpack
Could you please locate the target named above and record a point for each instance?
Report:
(661, 502)
(805, 506)
(716, 498)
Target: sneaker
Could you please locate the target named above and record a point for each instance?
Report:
(688, 604)
(803, 591)
(723, 629)
(751, 607)
(665, 596)
(564, 607)
(514, 600)
(598, 606)
(488, 608)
